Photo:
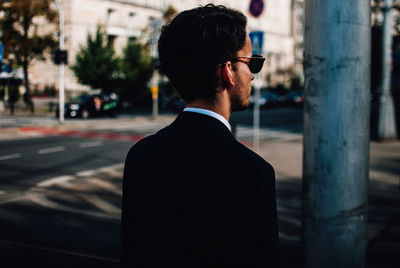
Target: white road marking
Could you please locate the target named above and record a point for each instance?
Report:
(106, 186)
(112, 170)
(85, 186)
(102, 204)
(86, 173)
(45, 202)
(9, 156)
(62, 180)
(90, 144)
(51, 150)
(384, 177)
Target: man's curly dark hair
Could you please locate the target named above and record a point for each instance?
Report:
(195, 42)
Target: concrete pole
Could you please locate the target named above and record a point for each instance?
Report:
(61, 66)
(386, 122)
(336, 133)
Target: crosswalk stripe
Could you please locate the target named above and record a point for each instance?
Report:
(106, 186)
(51, 150)
(101, 204)
(90, 144)
(10, 156)
(61, 180)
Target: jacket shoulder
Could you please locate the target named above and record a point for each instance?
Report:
(253, 159)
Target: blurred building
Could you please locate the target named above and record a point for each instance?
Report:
(282, 22)
(298, 37)
(121, 20)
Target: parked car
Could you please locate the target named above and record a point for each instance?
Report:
(89, 105)
(267, 99)
(294, 98)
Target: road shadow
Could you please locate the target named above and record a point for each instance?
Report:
(383, 223)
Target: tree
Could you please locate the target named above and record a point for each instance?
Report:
(136, 65)
(13, 93)
(21, 38)
(95, 63)
(169, 14)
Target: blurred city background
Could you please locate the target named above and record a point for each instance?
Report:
(110, 47)
(79, 85)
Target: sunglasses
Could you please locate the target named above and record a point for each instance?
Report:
(254, 62)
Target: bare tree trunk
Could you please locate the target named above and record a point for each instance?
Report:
(27, 97)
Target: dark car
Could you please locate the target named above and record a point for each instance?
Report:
(294, 98)
(88, 105)
(267, 99)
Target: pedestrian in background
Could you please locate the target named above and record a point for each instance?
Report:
(193, 196)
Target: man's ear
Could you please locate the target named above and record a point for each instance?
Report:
(227, 75)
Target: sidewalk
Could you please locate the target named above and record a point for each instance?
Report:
(384, 200)
(11, 127)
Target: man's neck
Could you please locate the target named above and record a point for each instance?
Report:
(216, 108)
(221, 104)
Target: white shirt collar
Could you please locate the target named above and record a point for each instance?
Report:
(209, 113)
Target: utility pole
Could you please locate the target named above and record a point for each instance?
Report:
(256, 8)
(257, 40)
(61, 67)
(1, 70)
(155, 25)
(386, 121)
(336, 133)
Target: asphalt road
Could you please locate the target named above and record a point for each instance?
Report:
(61, 195)
(60, 188)
(60, 192)
(31, 161)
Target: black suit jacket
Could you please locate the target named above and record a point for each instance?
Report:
(195, 197)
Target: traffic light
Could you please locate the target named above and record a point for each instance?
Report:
(60, 56)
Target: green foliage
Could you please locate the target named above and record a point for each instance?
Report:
(169, 14)
(137, 69)
(20, 34)
(21, 37)
(96, 64)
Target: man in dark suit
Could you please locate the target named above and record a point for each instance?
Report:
(193, 196)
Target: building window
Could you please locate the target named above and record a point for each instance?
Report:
(110, 16)
(131, 20)
(111, 41)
